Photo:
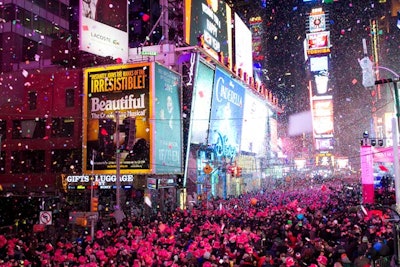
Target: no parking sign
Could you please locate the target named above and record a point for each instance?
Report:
(45, 217)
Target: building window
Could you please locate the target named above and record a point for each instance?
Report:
(28, 129)
(3, 130)
(62, 127)
(70, 98)
(2, 162)
(32, 100)
(64, 161)
(28, 161)
(29, 49)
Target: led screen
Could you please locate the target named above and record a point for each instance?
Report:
(243, 47)
(103, 28)
(226, 115)
(167, 135)
(202, 92)
(323, 117)
(317, 22)
(318, 43)
(255, 114)
(318, 63)
(210, 19)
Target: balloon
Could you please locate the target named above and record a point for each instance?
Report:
(378, 246)
(323, 188)
(300, 216)
(253, 201)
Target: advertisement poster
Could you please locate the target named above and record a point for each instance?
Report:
(168, 125)
(200, 113)
(255, 115)
(226, 115)
(117, 92)
(103, 28)
(210, 19)
(323, 117)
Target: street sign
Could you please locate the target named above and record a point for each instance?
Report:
(45, 217)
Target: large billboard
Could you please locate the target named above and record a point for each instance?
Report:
(255, 116)
(124, 99)
(209, 20)
(243, 47)
(201, 102)
(125, 89)
(103, 28)
(318, 43)
(168, 124)
(322, 111)
(226, 115)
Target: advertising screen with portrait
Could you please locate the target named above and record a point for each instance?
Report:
(323, 116)
(226, 115)
(168, 124)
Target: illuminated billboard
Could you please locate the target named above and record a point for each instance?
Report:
(255, 115)
(318, 43)
(123, 99)
(318, 64)
(103, 28)
(201, 102)
(243, 47)
(322, 111)
(226, 115)
(317, 22)
(167, 134)
(211, 20)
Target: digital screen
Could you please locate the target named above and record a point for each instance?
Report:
(323, 144)
(318, 43)
(210, 19)
(243, 47)
(317, 22)
(318, 63)
(167, 134)
(201, 102)
(255, 114)
(103, 28)
(323, 116)
(226, 115)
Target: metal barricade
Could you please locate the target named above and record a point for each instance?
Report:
(382, 262)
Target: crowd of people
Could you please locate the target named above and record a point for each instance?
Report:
(318, 226)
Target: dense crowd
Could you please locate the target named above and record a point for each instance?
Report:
(318, 226)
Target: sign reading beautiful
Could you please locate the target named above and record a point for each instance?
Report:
(117, 100)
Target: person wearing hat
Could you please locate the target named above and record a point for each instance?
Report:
(322, 261)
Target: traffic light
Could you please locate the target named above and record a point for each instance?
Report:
(94, 204)
(238, 171)
(231, 170)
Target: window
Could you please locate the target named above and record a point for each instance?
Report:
(70, 98)
(28, 129)
(2, 162)
(29, 49)
(32, 100)
(62, 127)
(3, 130)
(28, 161)
(63, 160)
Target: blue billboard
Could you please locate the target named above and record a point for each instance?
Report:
(226, 115)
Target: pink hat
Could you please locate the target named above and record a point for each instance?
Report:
(289, 261)
(322, 260)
